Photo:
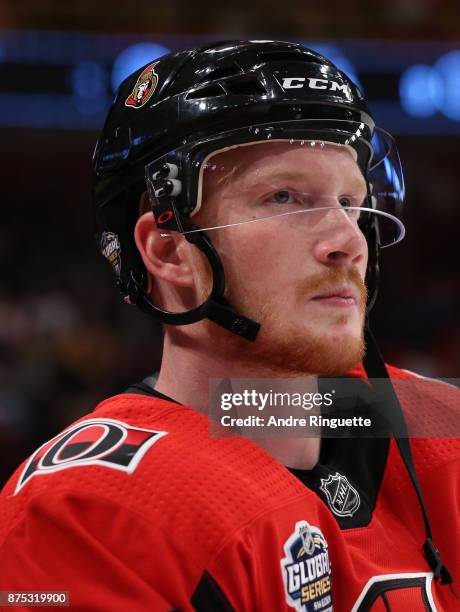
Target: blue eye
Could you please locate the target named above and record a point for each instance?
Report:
(349, 202)
(281, 197)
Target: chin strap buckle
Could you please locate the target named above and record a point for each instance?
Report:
(433, 556)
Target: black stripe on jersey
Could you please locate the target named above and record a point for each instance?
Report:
(209, 597)
(361, 460)
(385, 602)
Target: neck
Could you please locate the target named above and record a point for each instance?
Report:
(198, 364)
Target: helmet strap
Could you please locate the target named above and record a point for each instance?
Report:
(215, 308)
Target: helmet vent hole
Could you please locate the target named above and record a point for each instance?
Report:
(248, 85)
(221, 72)
(207, 91)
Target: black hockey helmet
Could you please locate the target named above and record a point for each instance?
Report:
(172, 114)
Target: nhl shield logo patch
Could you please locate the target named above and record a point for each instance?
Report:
(306, 570)
(342, 498)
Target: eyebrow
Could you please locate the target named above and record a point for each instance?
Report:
(358, 184)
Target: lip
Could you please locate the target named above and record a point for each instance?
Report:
(342, 296)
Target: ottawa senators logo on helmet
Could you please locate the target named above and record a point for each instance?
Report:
(144, 87)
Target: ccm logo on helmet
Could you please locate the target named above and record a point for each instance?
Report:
(313, 83)
(104, 442)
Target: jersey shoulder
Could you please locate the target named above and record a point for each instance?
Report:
(157, 459)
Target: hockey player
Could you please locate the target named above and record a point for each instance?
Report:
(243, 201)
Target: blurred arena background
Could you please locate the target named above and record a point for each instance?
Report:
(66, 340)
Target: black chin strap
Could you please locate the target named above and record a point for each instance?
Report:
(215, 307)
(376, 370)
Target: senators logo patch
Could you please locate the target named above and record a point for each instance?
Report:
(306, 570)
(104, 442)
(144, 87)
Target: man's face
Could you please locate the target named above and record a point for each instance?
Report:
(300, 275)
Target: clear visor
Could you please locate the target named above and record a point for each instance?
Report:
(301, 183)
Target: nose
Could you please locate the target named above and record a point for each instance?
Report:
(340, 240)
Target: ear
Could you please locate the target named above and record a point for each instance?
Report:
(166, 257)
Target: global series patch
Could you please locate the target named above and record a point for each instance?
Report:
(306, 570)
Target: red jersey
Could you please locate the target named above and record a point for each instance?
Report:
(136, 507)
